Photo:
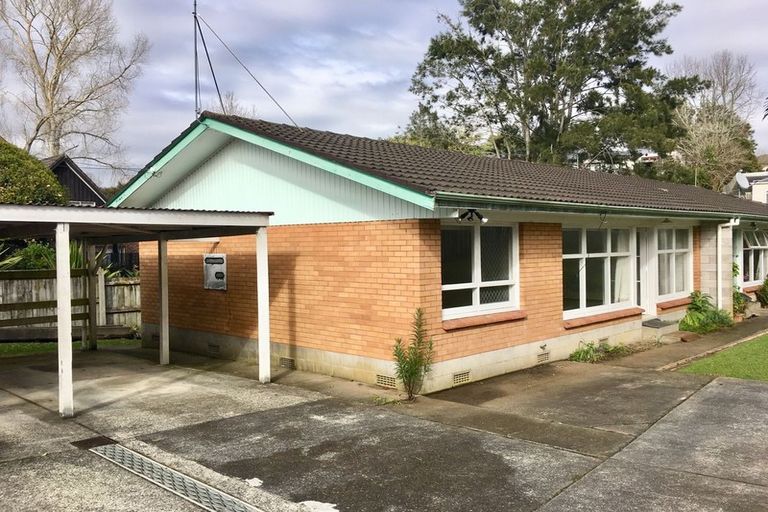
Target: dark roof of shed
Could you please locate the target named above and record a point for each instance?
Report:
(52, 162)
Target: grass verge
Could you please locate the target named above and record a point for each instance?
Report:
(748, 360)
(24, 349)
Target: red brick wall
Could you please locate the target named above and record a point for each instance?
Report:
(353, 287)
(349, 288)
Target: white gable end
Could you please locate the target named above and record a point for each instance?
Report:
(246, 177)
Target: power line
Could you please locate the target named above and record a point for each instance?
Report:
(248, 71)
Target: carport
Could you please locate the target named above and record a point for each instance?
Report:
(98, 226)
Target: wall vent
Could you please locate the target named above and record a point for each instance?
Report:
(386, 381)
(288, 362)
(213, 348)
(602, 341)
(542, 357)
(460, 378)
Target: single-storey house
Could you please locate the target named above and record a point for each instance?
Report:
(513, 263)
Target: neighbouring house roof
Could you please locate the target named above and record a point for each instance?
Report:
(79, 185)
(443, 174)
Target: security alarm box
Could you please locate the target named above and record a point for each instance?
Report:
(215, 271)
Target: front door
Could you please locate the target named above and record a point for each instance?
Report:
(642, 266)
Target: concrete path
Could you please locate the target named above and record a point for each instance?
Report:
(668, 354)
(591, 409)
(565, 436)
(709, 454)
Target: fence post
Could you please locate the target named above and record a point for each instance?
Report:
(102, 293)
(90, 269)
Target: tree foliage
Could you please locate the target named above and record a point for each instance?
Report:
(545, 78)
(426, 129)
(74, 74)
(25, 180)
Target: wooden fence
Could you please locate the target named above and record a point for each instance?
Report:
(28, 298)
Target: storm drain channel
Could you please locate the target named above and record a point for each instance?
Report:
(188, 488)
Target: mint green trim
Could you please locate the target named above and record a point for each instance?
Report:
(373, 182)
(454, 200)
(157, 166)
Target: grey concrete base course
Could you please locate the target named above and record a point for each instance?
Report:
(365, 369)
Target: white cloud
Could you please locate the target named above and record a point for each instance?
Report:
(345, 65)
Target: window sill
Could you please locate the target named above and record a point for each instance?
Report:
(473, 321)
(602, 317)
(669, 304)
(751, 289)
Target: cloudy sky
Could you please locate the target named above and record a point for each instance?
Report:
(345, 65)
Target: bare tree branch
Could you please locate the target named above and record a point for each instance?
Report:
(75, 74)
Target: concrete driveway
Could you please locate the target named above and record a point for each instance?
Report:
(561, 437)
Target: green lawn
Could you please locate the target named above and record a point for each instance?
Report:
(23, 349)
(748, 360)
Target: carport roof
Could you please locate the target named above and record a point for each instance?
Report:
(117, 225)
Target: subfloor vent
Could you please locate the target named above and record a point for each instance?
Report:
(542, 357)
(213, 349)
(386, 381)
(460, 378)
(188, 488)
(288, 362)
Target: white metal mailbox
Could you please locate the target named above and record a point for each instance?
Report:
(215, 271)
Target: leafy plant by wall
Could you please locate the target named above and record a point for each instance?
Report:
(739, 299)
(702, 316)
(762, 294)
(413, 360)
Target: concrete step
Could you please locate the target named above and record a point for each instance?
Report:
(655, 329)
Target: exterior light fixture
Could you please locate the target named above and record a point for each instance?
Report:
(472, 215)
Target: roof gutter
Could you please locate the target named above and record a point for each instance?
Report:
(454, 200)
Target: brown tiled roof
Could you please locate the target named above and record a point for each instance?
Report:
(434, 171)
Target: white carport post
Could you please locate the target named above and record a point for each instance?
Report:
(64, 320)
(162, 270)
(262, 297)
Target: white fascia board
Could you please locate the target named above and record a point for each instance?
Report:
(105, 216)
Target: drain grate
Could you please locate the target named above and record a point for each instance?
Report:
(188, 488)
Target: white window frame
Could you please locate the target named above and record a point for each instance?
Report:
(763, 265)
(583, 310)
(674, 250)
(513, 282)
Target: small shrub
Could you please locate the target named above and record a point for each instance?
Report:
(702, 317)
(762, 294)
(413, 361)
(739, 302)
(739, 299)
(592, 352)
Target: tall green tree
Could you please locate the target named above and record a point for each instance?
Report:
(527, 72)
(426, 129)
(25, 180)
